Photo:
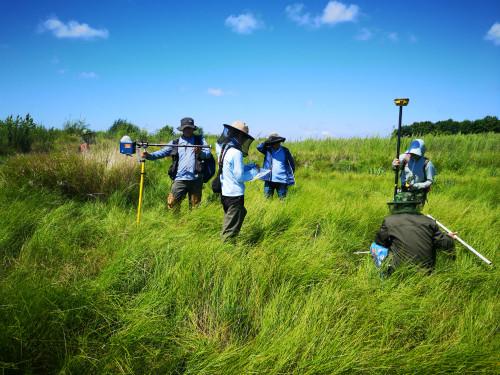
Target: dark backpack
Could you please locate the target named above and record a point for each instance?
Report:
(216, 184)
(204, 166)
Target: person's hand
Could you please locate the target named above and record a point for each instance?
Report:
(197, 150)
(452, 235)
(144, 154)
(396, 163)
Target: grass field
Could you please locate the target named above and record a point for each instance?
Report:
(84, 290)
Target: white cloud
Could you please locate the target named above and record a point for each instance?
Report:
(364, 34)
(215, 92)
(334, 12)
(72, 29)
(295, 12)
(245, 23)
(62, 71)
(493, 34)
(88, 75)
(393, 37)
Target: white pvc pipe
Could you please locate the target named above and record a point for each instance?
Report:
(469, 247)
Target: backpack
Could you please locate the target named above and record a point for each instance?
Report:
(216, 184)
(204, 166)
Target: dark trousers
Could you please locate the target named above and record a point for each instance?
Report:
(180, 188)
(270, 187)
(234, 214)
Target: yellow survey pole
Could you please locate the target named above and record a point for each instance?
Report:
(141, 188)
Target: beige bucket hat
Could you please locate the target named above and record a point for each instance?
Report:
(240, 126)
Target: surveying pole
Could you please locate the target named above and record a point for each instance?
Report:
(400, 103)
(128, 147)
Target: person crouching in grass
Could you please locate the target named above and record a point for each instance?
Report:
(279, 161)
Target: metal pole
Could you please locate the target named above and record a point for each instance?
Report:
(144, 144)
(398, 151)
(469, 247)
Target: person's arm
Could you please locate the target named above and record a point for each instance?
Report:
(204, 152)
(399, 161)
(430, 173)
(242, 172)
(442, 241)
(262, 148)
(160, 154)
(382, 237)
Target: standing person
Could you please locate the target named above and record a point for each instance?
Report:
(186, 167)
(412, 238)
(417, 172)
(87, 139)
(279, 160)
(232, 146)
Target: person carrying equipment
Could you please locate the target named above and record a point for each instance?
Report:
(417, 172)
(279, 160)
(186, 168)
(231, 147)
(409, 236)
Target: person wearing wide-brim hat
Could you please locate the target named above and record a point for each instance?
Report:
(279, 161)
(412, 238)
(186, 168)
(232, 145)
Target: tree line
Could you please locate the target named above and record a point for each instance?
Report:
(22, 134)
(484, 125)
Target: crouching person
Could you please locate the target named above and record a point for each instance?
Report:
(231, 147)
(417, 172)
(409, 236)
(279, 161)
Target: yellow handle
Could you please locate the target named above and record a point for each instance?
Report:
(141, 185)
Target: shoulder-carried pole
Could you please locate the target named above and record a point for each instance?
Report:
(469, 247)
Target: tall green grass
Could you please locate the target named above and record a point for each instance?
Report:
(85, 290)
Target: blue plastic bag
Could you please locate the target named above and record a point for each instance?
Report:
(378, 253)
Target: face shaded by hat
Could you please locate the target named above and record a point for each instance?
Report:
(187, 122)
(237, 132)
(273, 139)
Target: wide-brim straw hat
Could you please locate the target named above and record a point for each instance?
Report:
(240, 126)
(187, 122)
(274, 138)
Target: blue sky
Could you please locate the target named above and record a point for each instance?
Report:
(304, 69)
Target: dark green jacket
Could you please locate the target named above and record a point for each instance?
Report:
(412, 238)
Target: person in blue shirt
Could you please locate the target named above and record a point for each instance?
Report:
(188, 177)
(231, 147)
(417, 172)
(279, 160)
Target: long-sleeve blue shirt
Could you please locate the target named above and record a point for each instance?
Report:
(235, 172)
(280, 162)
(417, 173)
(186, 170)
